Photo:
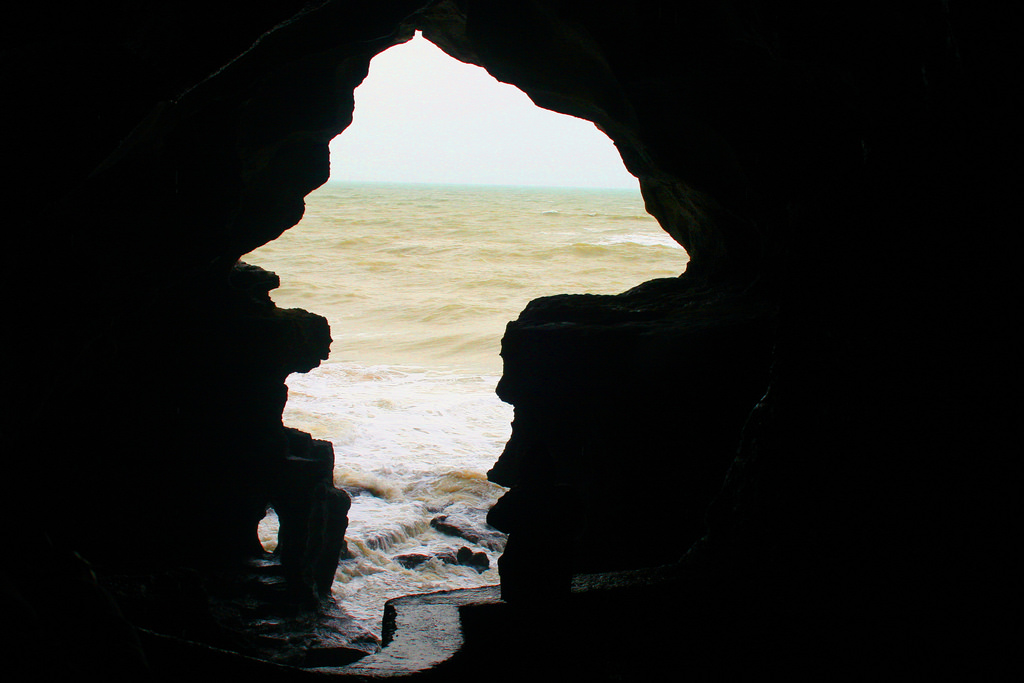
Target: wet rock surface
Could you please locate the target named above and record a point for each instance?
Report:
(250, 611)
(470, 524)
(464, 556)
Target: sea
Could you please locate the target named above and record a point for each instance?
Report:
(418, 283)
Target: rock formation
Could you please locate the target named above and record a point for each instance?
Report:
(829, 385)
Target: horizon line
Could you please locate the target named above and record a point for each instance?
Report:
(430, 183)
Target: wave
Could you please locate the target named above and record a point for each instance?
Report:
(386, 539)
(368, 482)
(455, 486)
(631, 217)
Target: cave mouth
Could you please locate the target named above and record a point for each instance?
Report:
(818, 163)
(418, 279)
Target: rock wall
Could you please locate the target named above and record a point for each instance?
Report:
(632, 405)
(829, 384)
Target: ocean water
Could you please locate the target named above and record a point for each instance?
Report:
(418, 282)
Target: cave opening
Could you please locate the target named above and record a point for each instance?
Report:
(435, 230)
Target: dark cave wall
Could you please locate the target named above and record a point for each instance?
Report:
(167, 359)
(846, 168)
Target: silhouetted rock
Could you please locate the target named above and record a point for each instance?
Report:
(411, 560)
(478, 560)
(464, 556)
(312, 513)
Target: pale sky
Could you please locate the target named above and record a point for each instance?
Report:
(424, 117)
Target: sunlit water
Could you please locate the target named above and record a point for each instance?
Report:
(418, 283)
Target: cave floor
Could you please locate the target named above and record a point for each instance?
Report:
(446, 636)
